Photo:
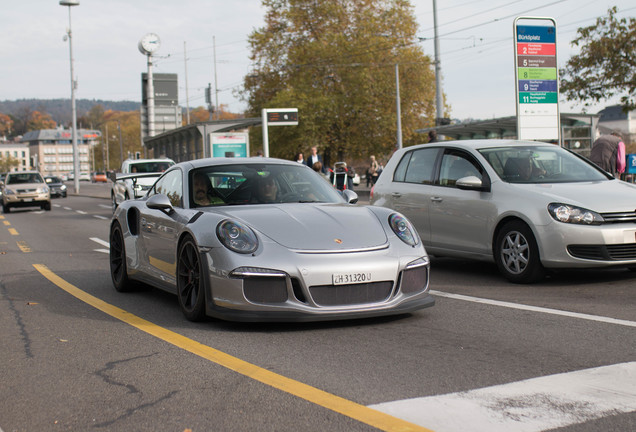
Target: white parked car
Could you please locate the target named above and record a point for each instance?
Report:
(136, 177)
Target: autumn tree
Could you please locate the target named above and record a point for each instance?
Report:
(606, 64)
(39, 121)
(8, 163)
(335, 61)
(5, 125)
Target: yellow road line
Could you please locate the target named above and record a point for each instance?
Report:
(24, 247)
(13, 231)
(332, 402)
(6, 222)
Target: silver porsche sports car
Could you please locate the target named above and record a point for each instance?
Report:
(263, 239)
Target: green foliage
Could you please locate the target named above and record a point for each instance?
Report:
(606, 64)
(335, 61)
(7, 163)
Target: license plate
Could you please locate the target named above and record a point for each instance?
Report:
(629, 236)
(27, 199)
(351, 278)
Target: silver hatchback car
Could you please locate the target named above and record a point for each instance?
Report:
(528, 206)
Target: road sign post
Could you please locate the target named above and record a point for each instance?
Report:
(536, 79)
(276, 117)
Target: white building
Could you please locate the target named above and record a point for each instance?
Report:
(52, 149)
(18, 151)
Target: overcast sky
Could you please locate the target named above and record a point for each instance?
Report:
(476, 45)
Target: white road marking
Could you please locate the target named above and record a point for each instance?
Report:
(67, 208)
(106, 206)
(100, 217)
(106, 251)
(531, 405)
(80, 212)
(100, 241)
(536, 309)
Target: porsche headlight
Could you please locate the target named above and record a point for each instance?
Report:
(403, 229)
(237, 237)
(572, 214)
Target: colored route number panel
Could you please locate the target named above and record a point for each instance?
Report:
(537, 79)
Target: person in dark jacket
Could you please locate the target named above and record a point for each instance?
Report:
(608, 152)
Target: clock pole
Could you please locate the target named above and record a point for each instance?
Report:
(76, 159)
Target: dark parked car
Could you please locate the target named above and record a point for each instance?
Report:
(56, 186)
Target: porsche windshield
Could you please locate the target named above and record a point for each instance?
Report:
(541, 164)
(261, 184)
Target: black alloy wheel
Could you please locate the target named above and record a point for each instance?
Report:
(118, 270)
(190, 286)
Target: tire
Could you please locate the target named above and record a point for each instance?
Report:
(6, 208)
(46, 206)
(118, 269)
(190, 277)
(517, 254)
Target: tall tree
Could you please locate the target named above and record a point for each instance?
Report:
(335, 61)
(606, 64)
(38, 121)
(5, 124)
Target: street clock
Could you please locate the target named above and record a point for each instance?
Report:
(149, 44)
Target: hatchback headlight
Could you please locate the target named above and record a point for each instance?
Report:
(572, 214)
(403, 229)
(237, 237)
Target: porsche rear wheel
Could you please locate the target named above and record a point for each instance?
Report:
(118, 270)
(190, 286)
(517, 253)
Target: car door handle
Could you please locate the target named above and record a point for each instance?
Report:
(396, 194)
(437, 199)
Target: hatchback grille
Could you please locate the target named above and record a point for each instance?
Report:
(342, 295)
(617, 252)
(620, 217)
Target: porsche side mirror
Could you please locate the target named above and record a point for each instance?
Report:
(350, 196)
(160, 202)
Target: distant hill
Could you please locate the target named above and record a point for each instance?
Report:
(60, 109)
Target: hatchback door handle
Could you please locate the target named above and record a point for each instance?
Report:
(396, 194)
(437, 199)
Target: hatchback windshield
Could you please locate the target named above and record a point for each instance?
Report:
(540, 164)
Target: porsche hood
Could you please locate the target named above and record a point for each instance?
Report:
(314, 227)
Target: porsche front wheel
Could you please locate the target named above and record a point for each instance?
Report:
(118, 269)
(190, 283)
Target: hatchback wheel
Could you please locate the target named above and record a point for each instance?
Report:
(517, 253)
(190, 277)
(118, 269)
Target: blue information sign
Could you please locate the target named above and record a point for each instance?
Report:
(631, 164)
(538, 34)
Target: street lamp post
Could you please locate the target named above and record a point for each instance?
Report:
(76, 160)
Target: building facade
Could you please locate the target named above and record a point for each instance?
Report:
(51, 150)
(18, 152)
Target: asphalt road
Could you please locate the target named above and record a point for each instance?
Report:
(76, 355)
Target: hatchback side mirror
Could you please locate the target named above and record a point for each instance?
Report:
(471, 183)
